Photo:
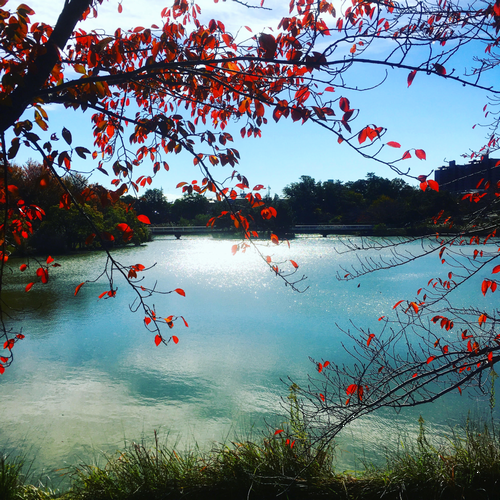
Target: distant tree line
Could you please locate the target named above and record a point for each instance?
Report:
(375, 200)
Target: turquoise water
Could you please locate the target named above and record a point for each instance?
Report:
(88, 376)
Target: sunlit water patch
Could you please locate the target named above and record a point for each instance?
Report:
(88, 376)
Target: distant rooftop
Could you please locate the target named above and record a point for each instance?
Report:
(465, 178)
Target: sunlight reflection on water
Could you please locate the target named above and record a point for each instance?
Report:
(88, 376)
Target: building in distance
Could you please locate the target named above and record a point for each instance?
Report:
(470, 177)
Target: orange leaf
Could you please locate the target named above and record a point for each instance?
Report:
(414, 306)
(294, 264)
(234, 249)
(143, 219)
(180, 291)
(77, 289)
(275, 239)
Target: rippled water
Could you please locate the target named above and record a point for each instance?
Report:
(88, 377)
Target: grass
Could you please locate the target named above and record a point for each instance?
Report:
(466, 466)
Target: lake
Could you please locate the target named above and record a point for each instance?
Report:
(88, 377)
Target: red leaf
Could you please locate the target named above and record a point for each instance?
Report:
(420, 154)
(143, 219)
(496, 269)
(406, 155)
(320, 367)
(482, 319)
(351, 389)
(344, 104)
(185, 322)
(439, 69)
(77, 289)
(370, 338)
(411, 76)
(433, 185)
(2, 370)
(430, 358)
(329, 89)
(90, 239)
(23, 267)
(275, 239)
(180, 291)
(28, 287)
(158, 340)
(394, 144)
(459, 390)
(397, 304)
(9, 344)
(490, 356)
(147, 320)
(279, 431)
(234, 249)
(322, 396)
(123, 227)
(49, 260)
(175, 339)
(381, 318)
(107, 236)
(326, 363)
(294, 264)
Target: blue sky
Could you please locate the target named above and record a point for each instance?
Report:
(434, 114)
